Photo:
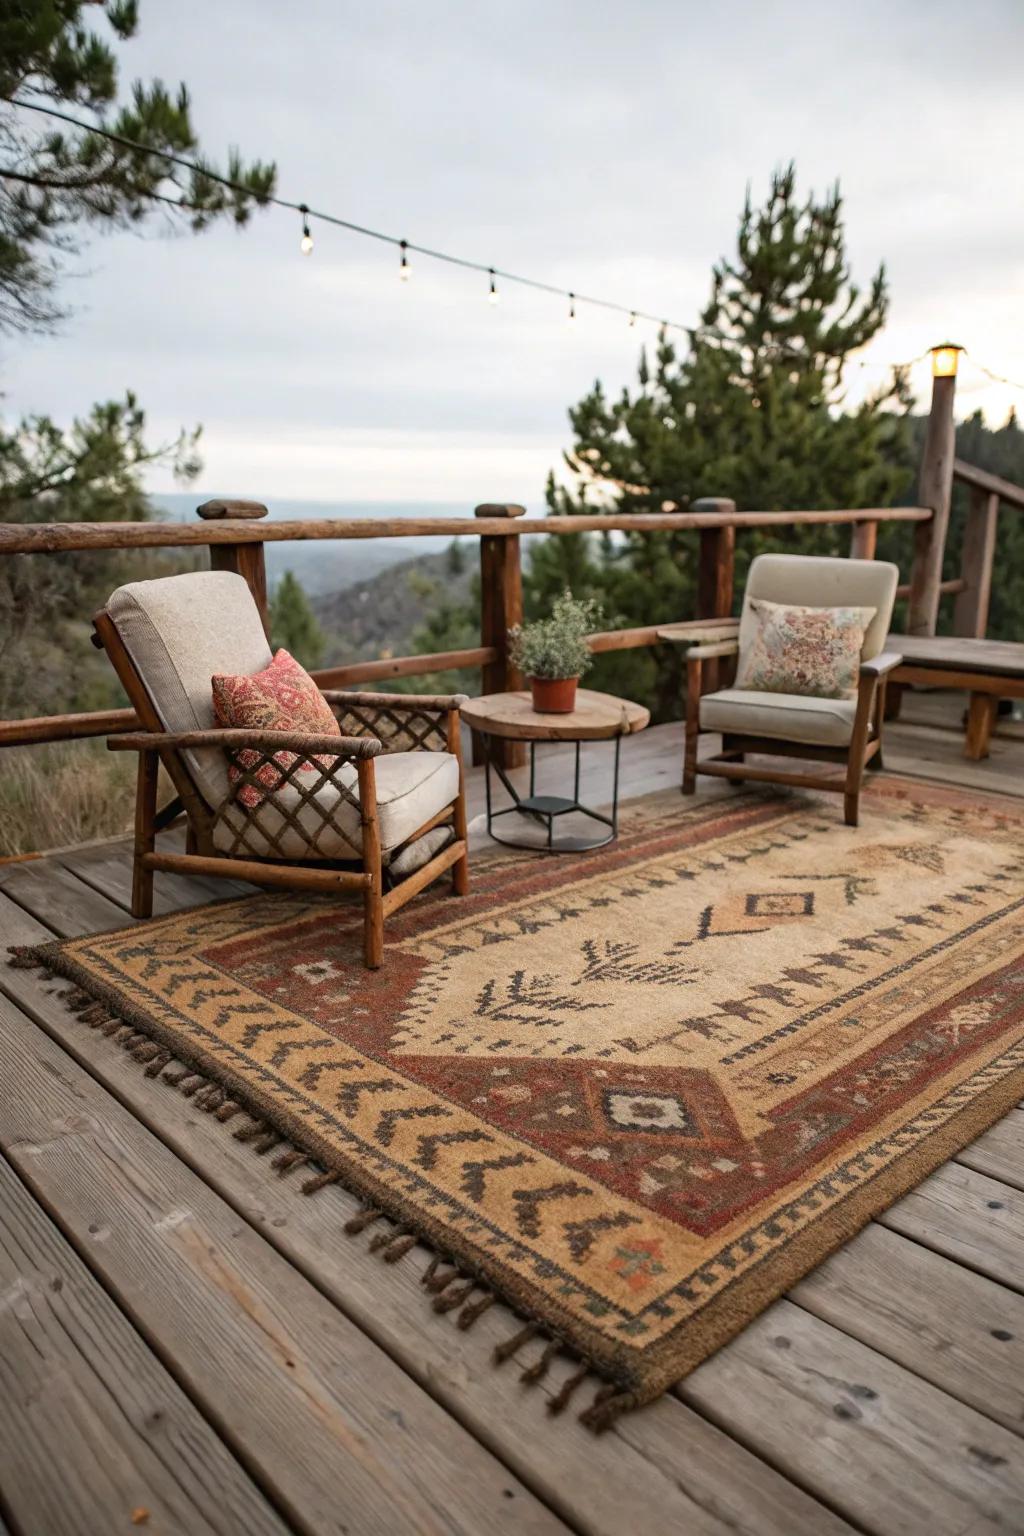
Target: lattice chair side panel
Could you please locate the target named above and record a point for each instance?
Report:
(398, 727)
(290, 806)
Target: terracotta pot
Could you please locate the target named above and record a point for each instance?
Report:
(554, 695)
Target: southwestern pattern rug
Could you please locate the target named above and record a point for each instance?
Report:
(636, 1093)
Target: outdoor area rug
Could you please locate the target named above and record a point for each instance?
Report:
(634, 1093)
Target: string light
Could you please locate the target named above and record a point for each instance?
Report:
(997, 378)
(306, 243)
(405, 246)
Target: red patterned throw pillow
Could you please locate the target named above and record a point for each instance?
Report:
(283, 697)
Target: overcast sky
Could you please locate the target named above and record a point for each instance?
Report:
(603, 146)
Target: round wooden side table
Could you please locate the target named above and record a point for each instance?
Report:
(512, 717)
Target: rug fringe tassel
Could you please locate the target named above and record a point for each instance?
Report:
(609, 1404)
(363, 1219)
(23, 958)
(540, 1367)
(436, 1280)
(319, 1181)
(560, 1401)
(399, 1247)
(474, 1309)
(454, 1296)
(508, 1347)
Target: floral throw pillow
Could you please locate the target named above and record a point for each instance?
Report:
(283, 697)
(810, 651)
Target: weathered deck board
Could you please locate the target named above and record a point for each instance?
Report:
(316, 1411)
(107, 869)
(968, 1217)
(58, 898)
(957, 1329)
(75, 1377)
(916, 1309)
(1000, 1152)
(890, 1451)
(663, 1469)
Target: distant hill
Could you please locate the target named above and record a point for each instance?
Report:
(325, 565)
(379, 615)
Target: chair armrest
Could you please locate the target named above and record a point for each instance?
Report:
(717, 648)
(234, 738)
(418, 703)
(696, 630)
(879, 665)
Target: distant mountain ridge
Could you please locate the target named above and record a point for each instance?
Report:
(379, 615)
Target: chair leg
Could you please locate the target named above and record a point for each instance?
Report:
(145, 818)
(690, 763)
(851, 794)
(692, 726)
(373, 894)
(460, 870)
(373, 924)
(460, 876)
(981, 717)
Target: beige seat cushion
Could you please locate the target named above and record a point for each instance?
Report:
(411, 788)
(786, 716)
(179, 631)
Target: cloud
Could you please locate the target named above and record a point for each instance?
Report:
(602, 147)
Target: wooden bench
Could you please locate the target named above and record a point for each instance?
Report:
(989, 670)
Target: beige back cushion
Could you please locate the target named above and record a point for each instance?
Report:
(179, 631)
(813, 581)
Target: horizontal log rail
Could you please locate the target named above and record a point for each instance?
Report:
(237, 532)
(113, 722)
(57, 538)
(951, 584)
(994, 485)
(236, 543)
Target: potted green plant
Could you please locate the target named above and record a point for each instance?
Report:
(553, 652)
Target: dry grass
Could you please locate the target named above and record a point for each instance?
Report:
(70, 792)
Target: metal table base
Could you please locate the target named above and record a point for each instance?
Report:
(546, 809)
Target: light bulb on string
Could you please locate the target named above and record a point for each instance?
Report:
(572, 309)
(404, 269)
(632, 318)
(306, 243)
(492, 297)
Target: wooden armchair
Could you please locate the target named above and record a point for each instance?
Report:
(383, 812)
(847, 731)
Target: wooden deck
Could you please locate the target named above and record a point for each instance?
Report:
(188, 1344)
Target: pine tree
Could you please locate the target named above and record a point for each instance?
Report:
(55, 181)
(751, 409)
(293, 624)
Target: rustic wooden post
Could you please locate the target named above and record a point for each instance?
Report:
(245, 559)
(970, 616)
(501, 609)
(935, 490)
(863, 541)
(715, 576)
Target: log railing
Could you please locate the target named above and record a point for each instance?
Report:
(985, 493)
(236, 533)
(236, 543)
